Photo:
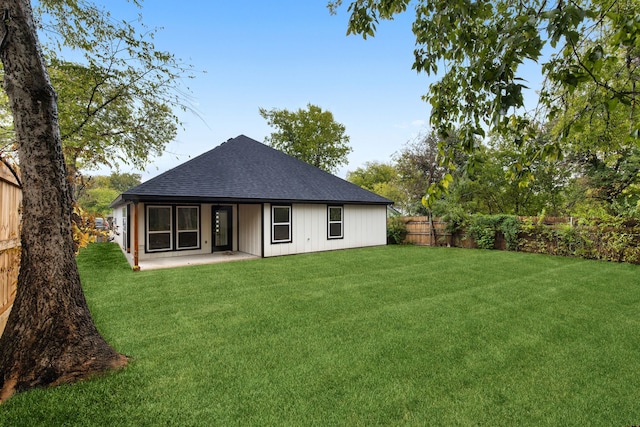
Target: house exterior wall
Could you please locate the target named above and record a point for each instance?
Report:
(363, 225)
(206, 234)
(250, 229)
(118, 226)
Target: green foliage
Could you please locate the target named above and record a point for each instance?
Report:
(372, 173)
(92, 99)
(613, 239)
(8, 147)
(483, 229)
(480, 49)
(510, 228)
(607, 182)
(421, 174)
(453, 215)
(396, 230)
(311, 135)
(116, 98)
(96, 193)
(122, 182)
(97, 200)
(597, 114)
(380, 178)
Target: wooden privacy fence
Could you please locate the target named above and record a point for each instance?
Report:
(617, 241)
(423, 231)
(10, 200)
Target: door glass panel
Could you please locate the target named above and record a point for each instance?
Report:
(221, 228)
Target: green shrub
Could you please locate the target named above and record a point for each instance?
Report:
(483, 229)
(456, 219)
(606, 238)
(396, 230)
(510, 227)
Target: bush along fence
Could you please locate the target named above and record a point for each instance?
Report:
(611, 239)
(10, 200)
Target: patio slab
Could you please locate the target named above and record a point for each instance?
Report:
(182, 261)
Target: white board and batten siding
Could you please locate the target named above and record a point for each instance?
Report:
(205, 232)
(364, 225)
(250, 229)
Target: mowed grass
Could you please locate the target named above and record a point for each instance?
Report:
(393, 336)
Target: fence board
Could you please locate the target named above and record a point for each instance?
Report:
(422, 231)
(10, 200)
(621, 244)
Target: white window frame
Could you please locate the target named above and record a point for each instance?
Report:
(280, 224)
(178, 230)
(330, 222)
(148, 232)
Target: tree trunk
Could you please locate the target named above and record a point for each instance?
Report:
(50, 337)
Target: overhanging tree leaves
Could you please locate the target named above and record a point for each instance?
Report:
(479, 49)
(598, 117)
(105, 119)
(117, 97)
(50, 337)
(311, 135)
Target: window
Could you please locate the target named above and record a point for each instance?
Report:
(159, 221)
(161, 235)
(335, 222)
(280, 224)
(188, 227)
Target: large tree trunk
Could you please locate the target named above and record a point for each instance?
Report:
(50, 337)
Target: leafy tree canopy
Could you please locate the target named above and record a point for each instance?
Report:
(478, 49)
(380, 178)
(116, 91)
(372, 173)
(95, 194)
(311, 135)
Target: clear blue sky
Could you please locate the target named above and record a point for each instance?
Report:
(286, 54)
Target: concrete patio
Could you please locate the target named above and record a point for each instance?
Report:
(182, 261)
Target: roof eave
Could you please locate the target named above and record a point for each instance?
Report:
(124, 198)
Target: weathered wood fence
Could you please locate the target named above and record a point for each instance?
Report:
(619, 242)
(10, 200)
(425, 231)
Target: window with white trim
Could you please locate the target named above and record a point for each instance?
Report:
(280, 224)
(335, 222)
(159, 228)
(188, 227)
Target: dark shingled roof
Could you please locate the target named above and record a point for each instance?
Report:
(245, 170)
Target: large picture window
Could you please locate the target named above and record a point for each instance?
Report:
(159, 228)
(172, 228)
(280, 224)
(188, 227)
(336, 222)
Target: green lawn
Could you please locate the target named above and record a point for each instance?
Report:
(396, 335)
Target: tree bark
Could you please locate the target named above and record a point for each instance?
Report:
(50, 337)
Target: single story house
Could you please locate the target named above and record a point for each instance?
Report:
(247, 197)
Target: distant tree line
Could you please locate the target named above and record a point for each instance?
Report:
(580, 183)
(94, 194)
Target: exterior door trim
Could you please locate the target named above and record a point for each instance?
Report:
(218, 234)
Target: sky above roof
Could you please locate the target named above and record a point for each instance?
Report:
(286, 54)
